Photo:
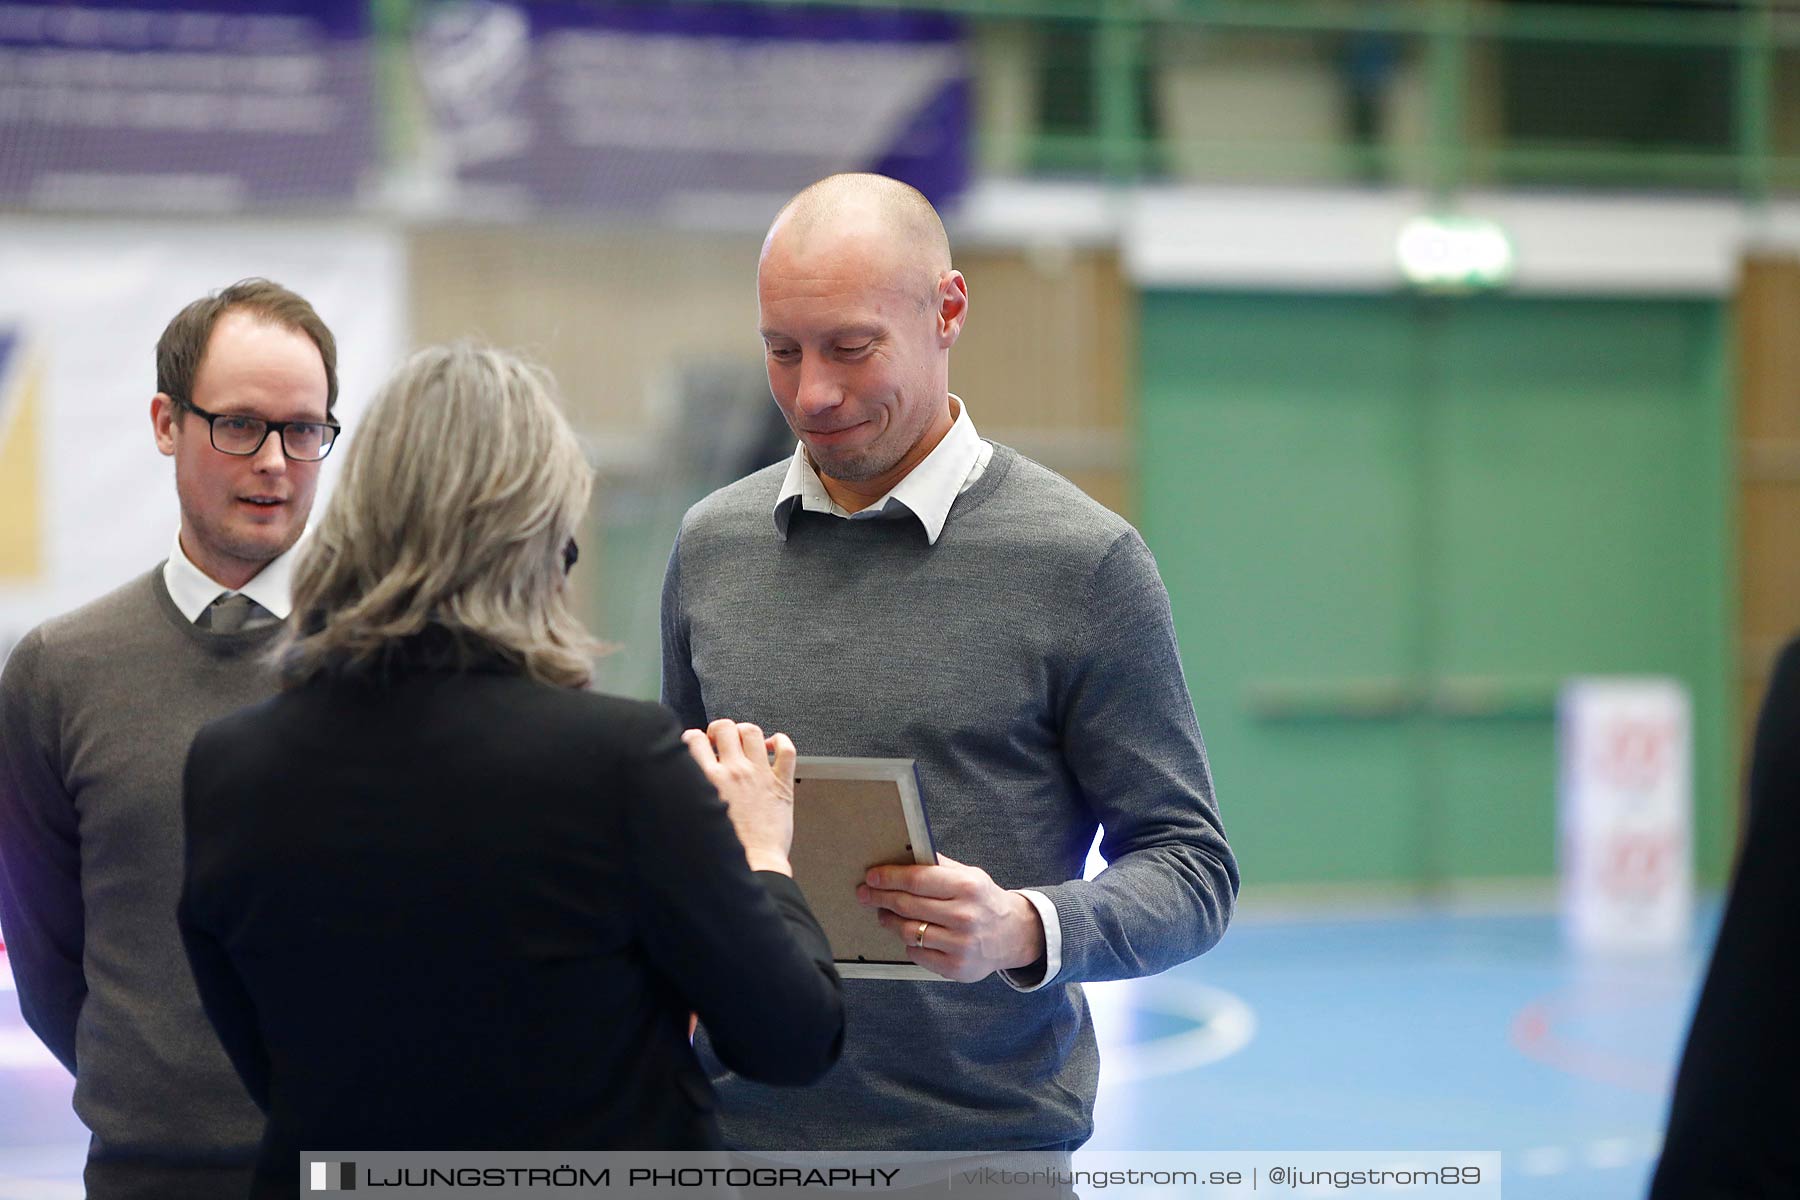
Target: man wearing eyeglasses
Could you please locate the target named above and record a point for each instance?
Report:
(97, 709)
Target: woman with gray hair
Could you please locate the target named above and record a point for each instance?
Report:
(437, 896)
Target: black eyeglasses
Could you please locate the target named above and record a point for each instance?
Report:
(571, 553)
(302, 441)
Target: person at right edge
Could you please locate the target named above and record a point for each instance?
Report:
(901, 588)
(1734, 1122)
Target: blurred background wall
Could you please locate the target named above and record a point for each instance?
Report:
(1398, 497)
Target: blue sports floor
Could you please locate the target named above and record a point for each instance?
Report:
(1392, 1032)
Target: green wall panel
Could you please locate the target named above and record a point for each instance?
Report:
(1573, 533)
(1276, 434)
(1391, 525)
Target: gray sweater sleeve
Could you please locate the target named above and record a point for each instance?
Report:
(680, 686)
(1131, 740)
(40, 855)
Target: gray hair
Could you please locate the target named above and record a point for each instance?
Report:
(460, 490)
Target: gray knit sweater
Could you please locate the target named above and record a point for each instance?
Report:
(97, 709)
(1028, 663)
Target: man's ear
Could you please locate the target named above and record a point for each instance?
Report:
(163, 416)
(953, 307)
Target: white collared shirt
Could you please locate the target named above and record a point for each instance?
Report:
(927, 492)
(193, 590)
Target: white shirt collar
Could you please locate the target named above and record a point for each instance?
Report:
(927, 491)
(193, 590)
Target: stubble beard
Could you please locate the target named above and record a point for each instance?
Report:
(855, 467)
(250, 547)
(870, 462)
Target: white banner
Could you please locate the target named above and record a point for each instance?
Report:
(1627, 813)
(86, 502)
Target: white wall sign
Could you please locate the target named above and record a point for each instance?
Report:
(1626, 748)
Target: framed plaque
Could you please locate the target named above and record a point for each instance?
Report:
(851, 814)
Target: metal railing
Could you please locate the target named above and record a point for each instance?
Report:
(1447, 36)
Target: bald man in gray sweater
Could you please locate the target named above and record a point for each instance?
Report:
(902, 588)
(97, 710)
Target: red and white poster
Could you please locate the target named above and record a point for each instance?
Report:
(1627, 799)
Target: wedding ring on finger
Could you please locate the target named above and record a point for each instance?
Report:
(919, 938)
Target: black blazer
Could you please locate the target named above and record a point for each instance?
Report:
(461, 909)
(1734, 1122)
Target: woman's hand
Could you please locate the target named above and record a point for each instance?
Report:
(758, 795)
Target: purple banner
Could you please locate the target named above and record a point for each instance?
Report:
(661, 109)
(184, 105)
